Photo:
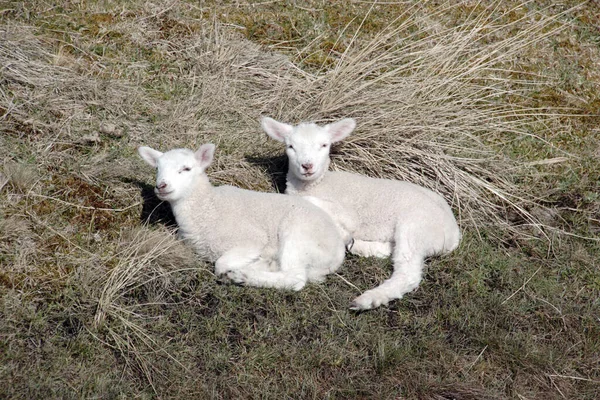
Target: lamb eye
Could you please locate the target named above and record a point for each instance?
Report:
(324, 145)
(185, 169)
(290, 146)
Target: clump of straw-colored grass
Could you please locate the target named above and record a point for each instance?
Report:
(149, 265)
(434, 101)
(431, 102)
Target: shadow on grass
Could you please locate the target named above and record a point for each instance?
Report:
(276, 167)
(154, 211)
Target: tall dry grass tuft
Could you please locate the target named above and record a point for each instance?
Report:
(434, 99)
(20, 177)
(149, 266)
(56, 101)
(434, 103)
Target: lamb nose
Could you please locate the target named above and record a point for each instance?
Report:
(161, 185)
(307, 166)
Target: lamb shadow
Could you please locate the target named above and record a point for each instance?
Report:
(275, 166)
(154, 211)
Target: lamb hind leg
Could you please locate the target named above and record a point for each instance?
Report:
(294, 280)
(343, 220)
(408, 270)
(302, 257)
(245, 265)
(295, 258)
(291, 273)
(240, 258)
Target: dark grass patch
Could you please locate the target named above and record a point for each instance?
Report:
(427, 345)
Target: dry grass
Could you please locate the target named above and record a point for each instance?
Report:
(430, 100)
(456, 97)
(145, 277)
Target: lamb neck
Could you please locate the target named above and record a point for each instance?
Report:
(294, 185)
(197, 207)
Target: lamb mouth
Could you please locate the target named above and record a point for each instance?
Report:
(308, 174)
(162, 194)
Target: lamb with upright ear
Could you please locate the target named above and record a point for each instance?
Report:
(384, 217)
(244, 232)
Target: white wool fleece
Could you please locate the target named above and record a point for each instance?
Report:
(243, 231)
(383, 217)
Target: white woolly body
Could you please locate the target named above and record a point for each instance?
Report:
(373, 207)
(259, 239)
(218, 219)
(381, 217)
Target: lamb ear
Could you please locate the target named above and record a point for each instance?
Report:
(277, 130)
(341, 129)
(149, 155)
(205, 154)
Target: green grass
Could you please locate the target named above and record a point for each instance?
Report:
(96, 303)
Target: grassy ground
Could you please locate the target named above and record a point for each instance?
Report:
(495, 106)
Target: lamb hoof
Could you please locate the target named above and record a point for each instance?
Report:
(298, 286)
(349, 244)
(369, 300)
(236, 276)
(221, 270)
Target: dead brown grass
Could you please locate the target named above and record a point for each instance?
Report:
(430, 101)
(149, 266)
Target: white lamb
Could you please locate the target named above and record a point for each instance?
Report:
(246, 232)
(384, 217)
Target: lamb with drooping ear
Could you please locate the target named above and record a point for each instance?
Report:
(258, 239)
(383, 217)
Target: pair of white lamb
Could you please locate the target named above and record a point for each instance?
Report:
(283, 241)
